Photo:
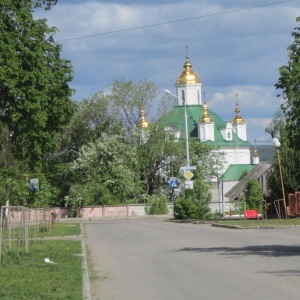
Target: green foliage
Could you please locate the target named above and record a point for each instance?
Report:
(194, 203)
(157, 154)
(35, 96)
(239, 206)
(209, 162)
(93, 117)
(104, 155)
(157, 205)
(253, 194)
(288, 82)
(105, 170)
(289, 158)
(244, 173)
(186, 208)
(127, 98)
(47, 4)
(14, 186)
(44, 196)
(286, 123)
(74, 201)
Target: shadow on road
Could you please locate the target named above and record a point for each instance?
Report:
(269, 250)
(284, 273)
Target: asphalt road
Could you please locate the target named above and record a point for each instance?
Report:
(152, 259)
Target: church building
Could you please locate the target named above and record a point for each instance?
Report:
(230, 137)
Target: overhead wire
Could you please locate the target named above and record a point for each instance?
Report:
(176, 21)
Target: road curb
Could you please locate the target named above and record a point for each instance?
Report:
(86, 290)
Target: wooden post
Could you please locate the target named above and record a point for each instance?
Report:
(282, 185)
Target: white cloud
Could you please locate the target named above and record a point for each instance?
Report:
(238, 52)
(256, 130)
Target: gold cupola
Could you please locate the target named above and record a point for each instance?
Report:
(143, 122)
(206, 118)
(188, 76)
(255, 151)
(237, 119)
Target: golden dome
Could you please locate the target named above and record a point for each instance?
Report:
(143, 122)
(188, 76)
(255, 152)
(206, 118)
(237, 119)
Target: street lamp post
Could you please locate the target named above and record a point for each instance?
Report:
(277, 145)
(186, 128)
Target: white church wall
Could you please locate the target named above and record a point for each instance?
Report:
(218, 196)
(192, 93)
(237, 156)
(241, 131)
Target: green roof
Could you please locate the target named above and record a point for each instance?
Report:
(175, 118)
(234, 172)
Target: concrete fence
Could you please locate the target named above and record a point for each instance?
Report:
(88, 212)
(109, 211)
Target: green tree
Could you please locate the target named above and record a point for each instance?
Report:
(127, 98)
(158, 157)
(157, 205)
(35, 95)
(194, 203)
(289, 157)
(105, 173)
(288, 83)
(253, 194)
(93, 117)
(113, 111)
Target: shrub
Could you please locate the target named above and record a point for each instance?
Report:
(185, 209)
(194, 203)
(157, 205)
(253, 194)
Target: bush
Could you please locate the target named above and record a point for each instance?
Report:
(194, 203)
(253, 194)
(157, 205)
(185, 209)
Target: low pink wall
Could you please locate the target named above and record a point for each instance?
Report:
(85, 212)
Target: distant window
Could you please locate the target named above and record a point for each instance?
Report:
(198, 96)
(182, 96)
(228, 135)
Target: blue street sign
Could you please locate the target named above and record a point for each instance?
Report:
(174, 183)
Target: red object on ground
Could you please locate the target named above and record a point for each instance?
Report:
(251, 214)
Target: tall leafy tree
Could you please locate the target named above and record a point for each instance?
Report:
(253, 194)
(159, 156)
(34, 80)
(113, 111)
(288, 83)
(194, 203)
(127, 98)
(105, 172)
(289, 157)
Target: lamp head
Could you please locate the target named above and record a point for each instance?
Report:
(276, 143)
(167, 91)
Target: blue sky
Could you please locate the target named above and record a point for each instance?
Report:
(233, 52)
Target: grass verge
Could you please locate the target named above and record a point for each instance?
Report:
(42, 231)
(262, 223)
(28, 276)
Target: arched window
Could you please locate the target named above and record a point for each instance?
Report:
(182, 96)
